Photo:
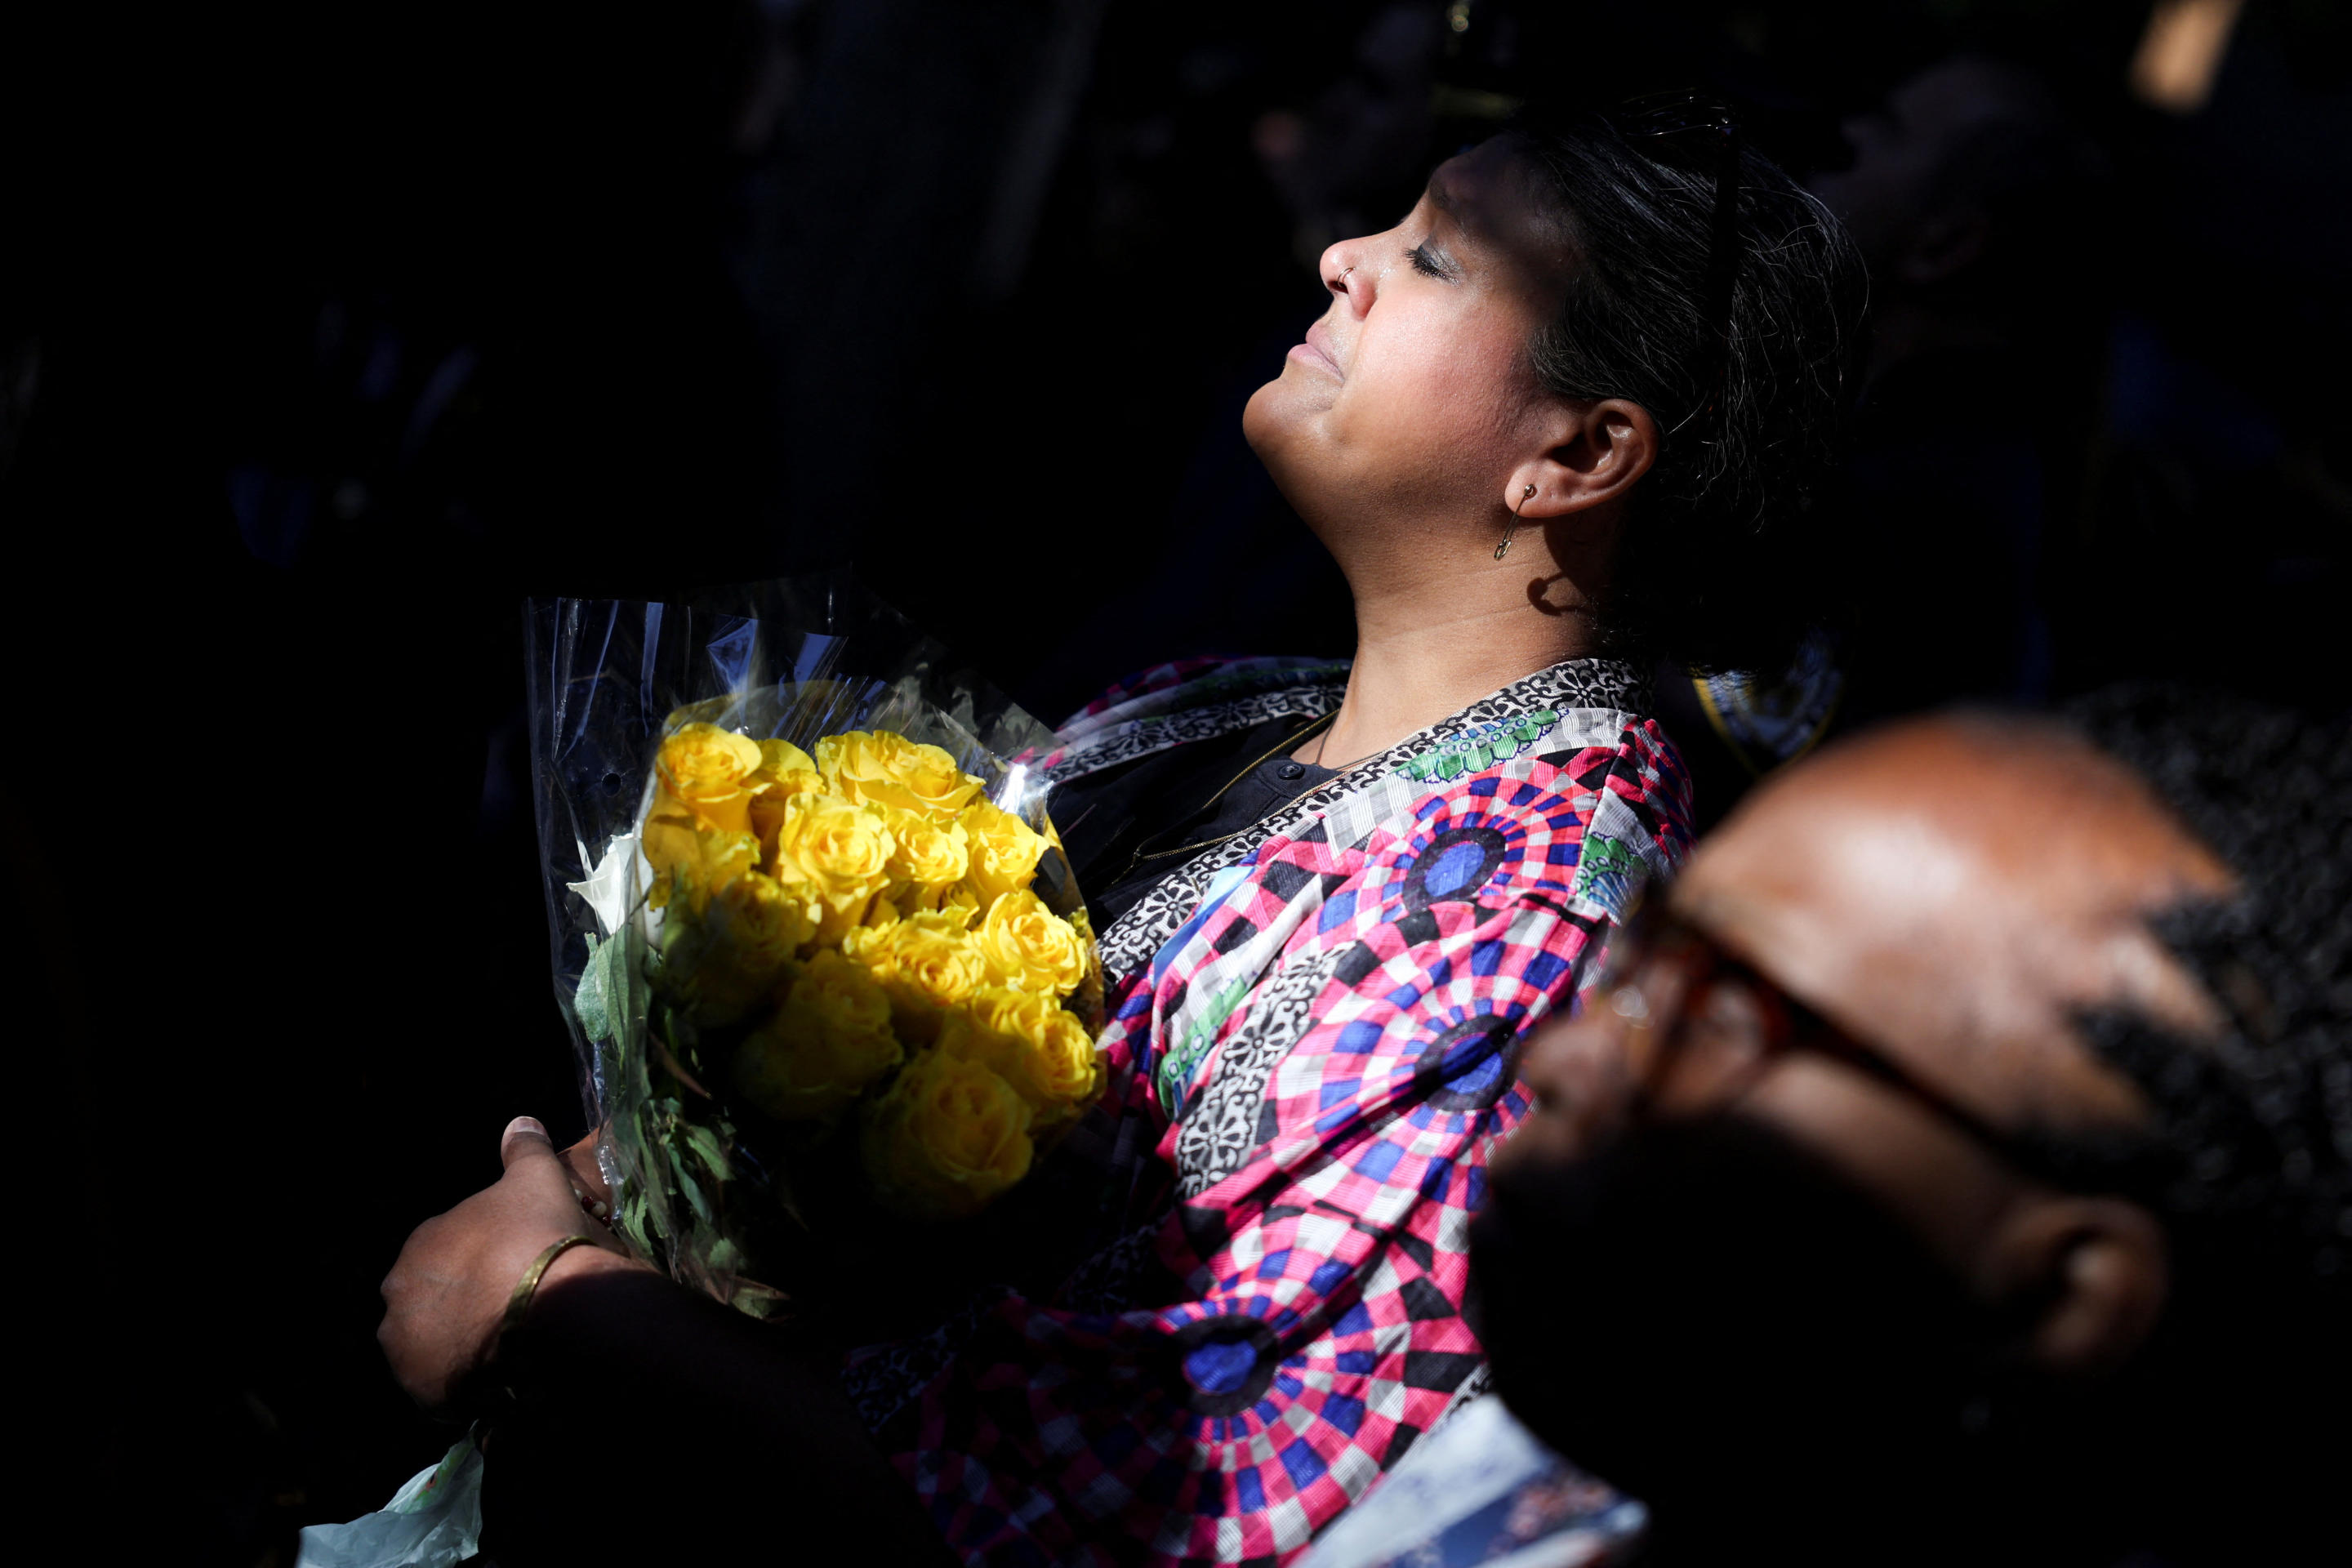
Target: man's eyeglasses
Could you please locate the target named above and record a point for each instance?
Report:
(1703, 1026)
(1671, 120)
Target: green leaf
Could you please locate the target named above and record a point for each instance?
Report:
(621, 979)
(603, 1000)
(690, 1188)
(589, 1002)
(707, 1146)
(757, 1300)
(633, 1220)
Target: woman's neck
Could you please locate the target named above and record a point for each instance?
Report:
(1430, 640)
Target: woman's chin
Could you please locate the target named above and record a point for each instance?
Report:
(1315, 475)
(1263, 420)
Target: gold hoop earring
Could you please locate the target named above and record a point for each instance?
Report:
(1526, 496)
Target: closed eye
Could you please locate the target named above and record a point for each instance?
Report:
(1429, 264)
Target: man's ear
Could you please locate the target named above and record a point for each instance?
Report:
(2101, 1270)
(1594, 454)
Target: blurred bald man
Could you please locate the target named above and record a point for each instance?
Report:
(1957, 1165)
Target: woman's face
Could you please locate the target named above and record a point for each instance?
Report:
(1414, 399)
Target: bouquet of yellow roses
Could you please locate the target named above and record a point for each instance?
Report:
(831, 966)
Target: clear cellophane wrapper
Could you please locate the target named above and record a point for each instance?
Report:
(752, 1212)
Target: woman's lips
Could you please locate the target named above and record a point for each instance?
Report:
(1316, 352)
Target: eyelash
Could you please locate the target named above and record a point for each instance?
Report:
(1424, 263)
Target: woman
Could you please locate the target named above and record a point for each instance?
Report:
(1560, 420)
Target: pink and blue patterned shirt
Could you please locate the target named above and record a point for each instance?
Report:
(1315, 1030)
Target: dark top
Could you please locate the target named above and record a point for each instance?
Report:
(1126, 827)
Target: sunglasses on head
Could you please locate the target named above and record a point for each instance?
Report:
(1692, 125)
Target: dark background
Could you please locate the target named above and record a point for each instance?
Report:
(326, 338)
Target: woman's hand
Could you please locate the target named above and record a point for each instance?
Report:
(447, 1292)
(588, 1178)
(756, 1423)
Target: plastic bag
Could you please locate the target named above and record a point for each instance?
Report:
(433, 1521)
(702, 1185)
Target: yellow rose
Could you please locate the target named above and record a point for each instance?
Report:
(778, 758)
(882, 768)
(1032, 1043)
(881, 912)
(931, 857)
(691, 858)
(1031, 948)
(1087, 1000)
(785, 770)
(724, 951)
(1065, 1063)
(1004, 852)
(961, 902)
(949, 1136)
(926, 962)
(830, 1037)
(833, 854)
(707, 771)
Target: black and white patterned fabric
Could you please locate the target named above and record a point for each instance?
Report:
(1379, 789)
(1221, 1127)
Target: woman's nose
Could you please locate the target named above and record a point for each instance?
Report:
(1340, 271)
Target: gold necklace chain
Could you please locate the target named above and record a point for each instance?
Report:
(1288, 743)
(1323, 740)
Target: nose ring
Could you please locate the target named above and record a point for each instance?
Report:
(1343, 276)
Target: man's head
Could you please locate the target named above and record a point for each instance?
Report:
(1969, 190)
(1540, 338)
(1986, 1086)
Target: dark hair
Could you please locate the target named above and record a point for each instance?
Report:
(1718, 568)
(2252, 1134)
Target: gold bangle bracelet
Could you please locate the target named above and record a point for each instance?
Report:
(527, 1287)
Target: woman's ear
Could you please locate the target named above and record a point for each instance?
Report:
(1593, 454)
(2101, 1269)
